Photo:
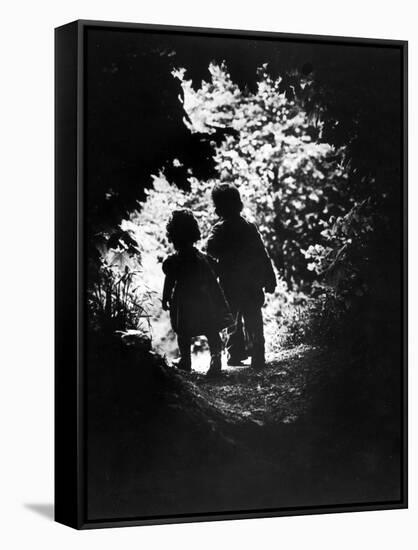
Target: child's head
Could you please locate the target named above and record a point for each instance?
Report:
(182, 228)
(227, 200)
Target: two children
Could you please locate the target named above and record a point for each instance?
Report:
(198, 303)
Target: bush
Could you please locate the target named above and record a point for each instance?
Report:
(291, 182)
(320, 231)
(117, 296)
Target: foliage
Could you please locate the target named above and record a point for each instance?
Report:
(285, 175)
(300, 191)
(324, 221)
(346, 272)
(350, 96)
(291, 181)
(118, 298)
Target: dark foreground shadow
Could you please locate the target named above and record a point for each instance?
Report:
(45, 510)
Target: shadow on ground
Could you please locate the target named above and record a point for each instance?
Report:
(42, 509)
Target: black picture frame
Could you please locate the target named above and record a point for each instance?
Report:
(70, 270)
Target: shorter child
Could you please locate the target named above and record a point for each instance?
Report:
(192, 293)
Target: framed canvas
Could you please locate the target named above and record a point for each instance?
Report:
(231, 282)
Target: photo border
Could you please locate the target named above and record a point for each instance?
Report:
(72, 414)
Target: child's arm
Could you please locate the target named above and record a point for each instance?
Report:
(169, 281)
(214, 242)
(270, 280)
(167, 291)
(270, 277)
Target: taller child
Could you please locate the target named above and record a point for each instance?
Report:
(245, 272)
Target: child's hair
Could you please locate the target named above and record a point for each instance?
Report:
(182, 228)
(226, 199)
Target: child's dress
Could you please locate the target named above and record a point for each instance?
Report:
(197, 304)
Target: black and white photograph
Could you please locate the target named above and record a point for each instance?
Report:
(244, 274)
(208, 306)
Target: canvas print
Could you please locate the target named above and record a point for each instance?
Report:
(244, 251)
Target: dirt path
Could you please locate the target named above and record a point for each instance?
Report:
(274, 395)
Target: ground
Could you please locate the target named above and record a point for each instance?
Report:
(312, 428)
(275, 394)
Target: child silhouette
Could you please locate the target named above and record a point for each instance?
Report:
(245, 272)
(192, 293)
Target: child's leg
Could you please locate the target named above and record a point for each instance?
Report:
(184, 343)
(253, 319)
(235, 341)
(215, 347)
